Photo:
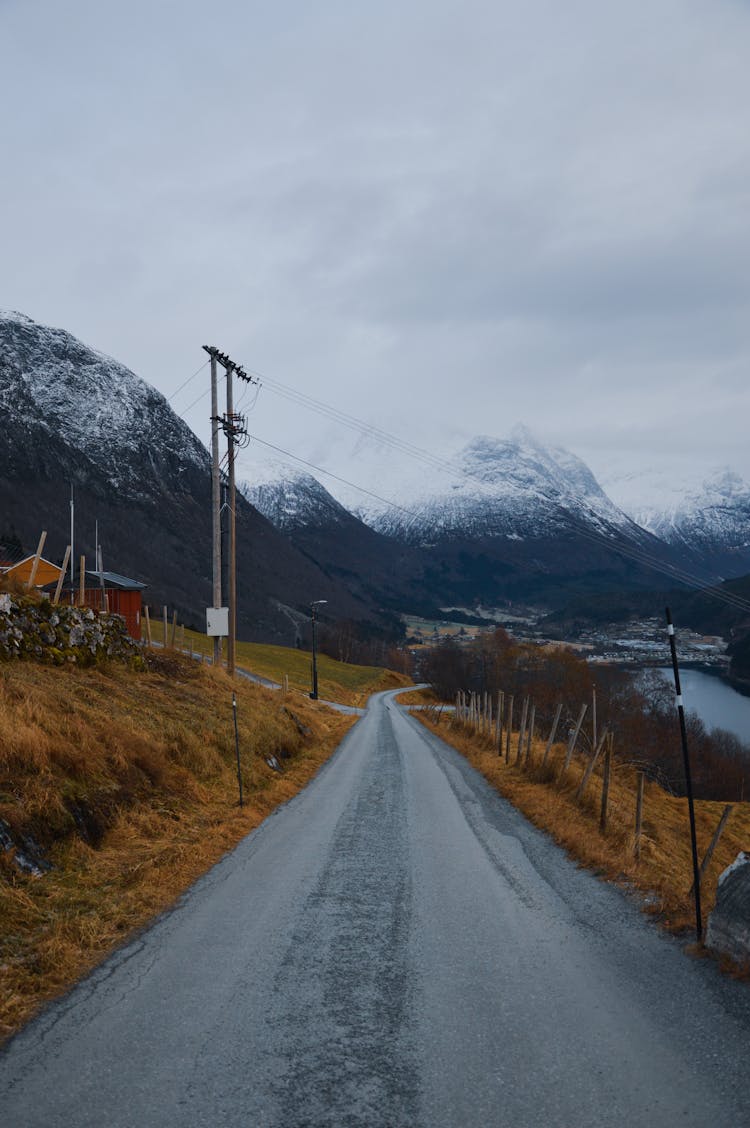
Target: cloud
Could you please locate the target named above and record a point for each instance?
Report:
(442, 217)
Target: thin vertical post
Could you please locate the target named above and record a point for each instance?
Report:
(551, 738)
(530, 736)
(37, 558)
(573, 740)
(237, 744)
(508, 731)
(82, 581)
(522, 729)
(715, 840)
(605, 786)
(688, 779)
(61, 577)
(639, 816)
(166, 628)
(72, 545)
(499, 723)
(148, 625)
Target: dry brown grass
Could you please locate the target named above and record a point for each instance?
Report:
(425, 696)
(128, 781)
(664, 874)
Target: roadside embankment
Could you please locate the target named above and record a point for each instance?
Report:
(118, 788)
(658, 865)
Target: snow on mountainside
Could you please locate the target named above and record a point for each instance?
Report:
(513, 488)
(693, 507)
(72, 415)
(291, 498)
(90, 402)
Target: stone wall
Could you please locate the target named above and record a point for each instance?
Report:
(62, 634)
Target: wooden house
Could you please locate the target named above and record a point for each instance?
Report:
(46, 572)
(118, 594)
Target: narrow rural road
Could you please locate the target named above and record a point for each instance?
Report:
(397, 946)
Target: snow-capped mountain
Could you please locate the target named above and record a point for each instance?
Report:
(72, 415)
(705, 514)
(73, 395)
(291, 498)
(375, 567)
(516, 488)
(503, 518)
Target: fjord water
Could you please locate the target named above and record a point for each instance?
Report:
(715, 701)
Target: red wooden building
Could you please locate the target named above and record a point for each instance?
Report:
(123, 597)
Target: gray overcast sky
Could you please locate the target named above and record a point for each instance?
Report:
(443, 217)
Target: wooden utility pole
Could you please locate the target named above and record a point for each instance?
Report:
(215, 498)
(232, 526)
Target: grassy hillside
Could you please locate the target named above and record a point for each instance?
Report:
(126, 784)
(337, 681)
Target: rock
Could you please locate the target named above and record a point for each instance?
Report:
(728, 931)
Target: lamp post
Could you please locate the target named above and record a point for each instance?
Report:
(313, 605)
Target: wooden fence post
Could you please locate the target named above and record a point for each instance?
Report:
(530, 737)
(174, 628)
(639, 816)
(572, 742)
(553, 730)
(166, 635)
(605, 786)
(82, 582)
(714, 842)
(508, 732)
(522, 729)
(37, 558)
(61, 577)
(148, 625)
(590, 766)
(499, 723)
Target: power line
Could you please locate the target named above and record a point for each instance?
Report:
(637, 555)
(613, 543)
(330, 474)
(188, 381)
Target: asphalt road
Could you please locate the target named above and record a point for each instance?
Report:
(396, 946)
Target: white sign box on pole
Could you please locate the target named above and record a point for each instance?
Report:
(217, 621)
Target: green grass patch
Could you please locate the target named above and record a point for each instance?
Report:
(337, 681)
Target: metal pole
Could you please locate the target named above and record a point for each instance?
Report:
(314, 693)
(232, 528)
(72, 546)
(215, 500)
(237, 744)
(688, 780)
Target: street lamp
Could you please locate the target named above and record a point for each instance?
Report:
(313, 605)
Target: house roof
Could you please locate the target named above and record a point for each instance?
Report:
(113, 579)
(46, 573)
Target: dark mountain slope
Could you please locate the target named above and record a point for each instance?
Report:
(70, 414)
